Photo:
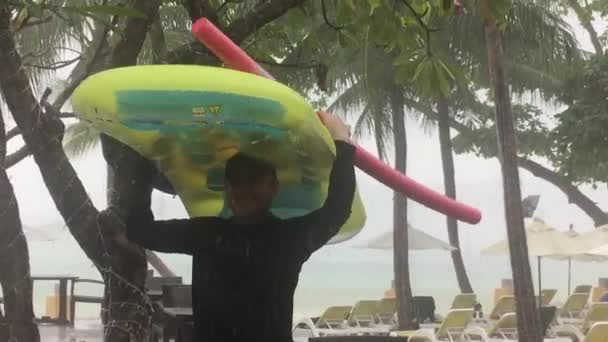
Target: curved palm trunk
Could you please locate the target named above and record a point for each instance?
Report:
(403, 288)
(15, 277)
(528, 323)
(449, 181)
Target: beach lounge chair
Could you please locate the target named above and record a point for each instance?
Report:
(386, 312)
(460, 301)
(598, 312)
(331, 323)
(362, 319)
(597, 333)
(363, 313)
(574, 306)
(452, 329)
(583, 289)
(505, 305)
(547, 296)
(504, 329)
(464, 301)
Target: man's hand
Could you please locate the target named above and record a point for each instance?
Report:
(337, 128)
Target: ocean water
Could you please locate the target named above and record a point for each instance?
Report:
(335, 275)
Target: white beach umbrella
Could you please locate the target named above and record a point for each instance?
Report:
(417, 240)
(600, 251)
(543, 241)
(586, 245)
(592, 244)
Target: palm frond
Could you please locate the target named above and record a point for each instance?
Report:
(535, 38)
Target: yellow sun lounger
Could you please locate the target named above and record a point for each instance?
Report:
(451, 329)
(331, 323)
(597, 333)
(598, 312)
(547, 296)
(574, 306)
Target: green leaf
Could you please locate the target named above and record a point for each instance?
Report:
(112, 10)
(446, 69)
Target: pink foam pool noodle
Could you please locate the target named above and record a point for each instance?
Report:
(234, 57)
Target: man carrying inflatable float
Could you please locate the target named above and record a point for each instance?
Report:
(265, 180)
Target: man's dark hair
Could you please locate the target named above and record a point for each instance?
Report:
(243, 168)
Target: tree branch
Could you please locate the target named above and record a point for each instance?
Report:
(43, 134)
(202, 8)
(585, 21)
(238, 30)
(261, 15)
(15, 131)
(590, 208)
(17, 156)
(54, 66)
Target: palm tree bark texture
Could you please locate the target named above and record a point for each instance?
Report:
(449, 181)
(403, 289)
(528, 320)
(15, 277)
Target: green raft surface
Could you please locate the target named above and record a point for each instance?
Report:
(191, 119)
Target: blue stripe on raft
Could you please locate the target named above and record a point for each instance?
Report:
(151, 109)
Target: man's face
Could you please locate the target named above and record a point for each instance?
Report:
(250, 199)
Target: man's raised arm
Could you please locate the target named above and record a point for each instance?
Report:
(317, 228)
(172, 236)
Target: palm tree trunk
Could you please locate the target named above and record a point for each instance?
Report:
(528, 323)
(15, 277)
(403, 289)
(129, 185)
(449, 181)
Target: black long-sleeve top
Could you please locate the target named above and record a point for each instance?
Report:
(244, 276)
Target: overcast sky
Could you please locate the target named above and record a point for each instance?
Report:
(478, 184)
